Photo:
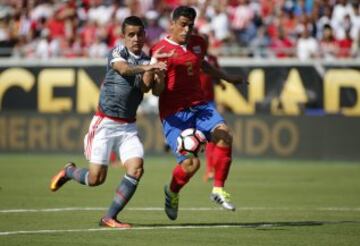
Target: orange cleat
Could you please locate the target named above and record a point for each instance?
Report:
(60, 178)
(113, 223)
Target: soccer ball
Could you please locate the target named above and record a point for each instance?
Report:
(190, 142)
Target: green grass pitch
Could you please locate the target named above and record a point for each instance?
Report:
(278, 203)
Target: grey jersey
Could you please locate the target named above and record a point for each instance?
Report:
(121, 95)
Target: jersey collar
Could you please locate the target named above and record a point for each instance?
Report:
(183, 46)
(135, 56)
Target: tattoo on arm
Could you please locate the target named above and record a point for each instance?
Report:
(126, 69)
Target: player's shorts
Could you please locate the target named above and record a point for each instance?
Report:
(203, 117)
(106, 135)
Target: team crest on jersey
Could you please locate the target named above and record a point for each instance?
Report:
(197, 49)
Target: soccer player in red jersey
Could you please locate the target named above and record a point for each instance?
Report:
(182, 105)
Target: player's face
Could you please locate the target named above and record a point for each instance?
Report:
(181, 29)
(134, 38)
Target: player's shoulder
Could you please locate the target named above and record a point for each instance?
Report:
(197, 44)
(160, 43)
(119, 51)
(197, 39)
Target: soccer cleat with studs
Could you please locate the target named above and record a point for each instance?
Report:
(171, 203)
(113, 223)
(60, 178)
(223, 199)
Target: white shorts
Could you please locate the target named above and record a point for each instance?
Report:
(106, 135)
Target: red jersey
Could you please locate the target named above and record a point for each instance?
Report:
(207, 82)
(182, 89)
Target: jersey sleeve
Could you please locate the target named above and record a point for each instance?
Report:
(117, 54)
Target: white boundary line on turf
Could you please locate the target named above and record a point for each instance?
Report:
(49, 210)
(9, 233)
(97, 209)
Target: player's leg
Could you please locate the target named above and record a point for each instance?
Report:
(221, 153)
(131, 155)
(186, 167)
(216, 129)
(209, 168)
(222, 162)
(97, 149)
(94, 175)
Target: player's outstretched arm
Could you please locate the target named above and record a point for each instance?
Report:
(219, 74)
(126, 69)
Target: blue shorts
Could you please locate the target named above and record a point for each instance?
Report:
(203, 117)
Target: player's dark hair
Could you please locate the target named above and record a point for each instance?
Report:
(132, 21)
(185, 11)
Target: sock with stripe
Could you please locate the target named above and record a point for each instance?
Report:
(123, 194)
(179, 179)
(222, 162)
(78, 174)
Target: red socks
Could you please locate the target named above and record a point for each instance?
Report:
(179, 179)
(221, 162)
(209, 158)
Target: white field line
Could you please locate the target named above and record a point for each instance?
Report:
(165, 227)
(49, 210)
(9, 233)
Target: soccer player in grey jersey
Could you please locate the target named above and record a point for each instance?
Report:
(129, 74)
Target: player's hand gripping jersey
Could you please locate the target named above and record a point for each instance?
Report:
(182, 89)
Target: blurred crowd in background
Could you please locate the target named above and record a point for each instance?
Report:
(303, 29)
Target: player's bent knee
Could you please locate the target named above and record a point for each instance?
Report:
(191, 165)
(95, 180)
(97, 174)
(137, 173)
(135, 167)
(222, 136)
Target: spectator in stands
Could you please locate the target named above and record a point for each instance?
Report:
(355, 22)
(260, 43)
(328, 44)
(98, 49)
(325, 19)
(307, 46)
(154, 32)
(338, 19)
(281, 45)
(220, 25)
(47, 47)
(22, 22)
(345, 46)
(242, 23)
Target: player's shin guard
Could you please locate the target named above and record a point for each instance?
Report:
(179, 179)
(124, 192)
(222, 162)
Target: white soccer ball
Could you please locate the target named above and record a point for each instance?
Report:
(190, 142)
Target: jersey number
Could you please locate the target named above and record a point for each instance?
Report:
(190, 70)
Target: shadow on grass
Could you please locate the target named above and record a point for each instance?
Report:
(259, 225)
